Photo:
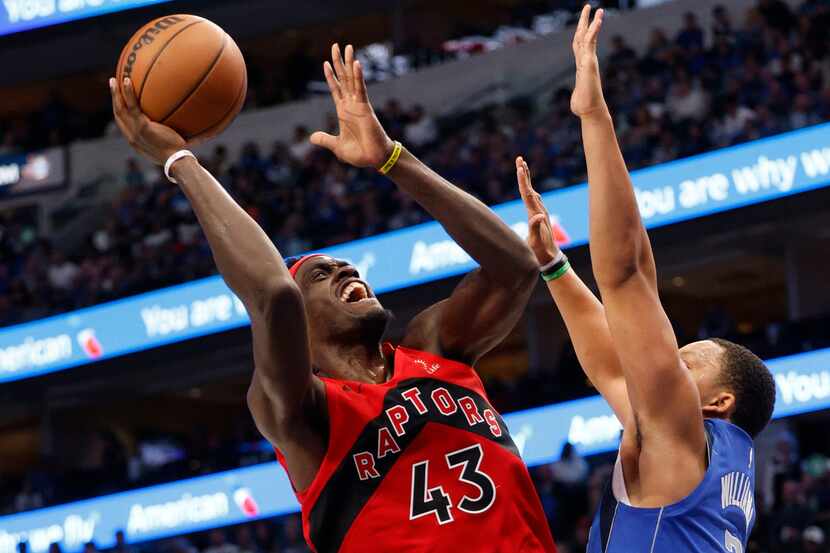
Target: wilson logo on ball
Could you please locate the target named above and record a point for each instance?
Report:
(147, 38)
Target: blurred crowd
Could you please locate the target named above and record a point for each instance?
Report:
(699, 90)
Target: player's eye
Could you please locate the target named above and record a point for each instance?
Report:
(318, 274)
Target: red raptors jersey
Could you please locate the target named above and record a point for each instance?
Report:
(421, 463)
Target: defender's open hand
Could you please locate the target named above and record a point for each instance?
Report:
(587, 98)
(540, 233)
(362, 142)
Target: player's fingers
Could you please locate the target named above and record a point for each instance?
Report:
(123, 127)
(118, 111)
(130, 101)
(349, 70)
(337, 62)
(527, 170)
(334, 85)
(596, 25)
(534, 198)
(536, 222)
(525, 188)
(582, 25)
(117, 101)
(324, 140)
(360, 82)
(584, 18)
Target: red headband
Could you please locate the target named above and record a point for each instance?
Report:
(296, 266)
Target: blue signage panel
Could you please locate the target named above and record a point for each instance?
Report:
(156, 512)
(803, 385)
(119, 327)
(726, 179)
(23, 15)
(31, 173)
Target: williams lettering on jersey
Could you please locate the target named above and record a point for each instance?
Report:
(717, 516)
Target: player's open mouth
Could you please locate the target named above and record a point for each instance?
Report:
(355, 292)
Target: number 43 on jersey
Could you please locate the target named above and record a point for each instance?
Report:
(426, 500)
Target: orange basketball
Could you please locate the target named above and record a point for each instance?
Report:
(187, 74)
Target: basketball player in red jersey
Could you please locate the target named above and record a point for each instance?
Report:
(388, 449)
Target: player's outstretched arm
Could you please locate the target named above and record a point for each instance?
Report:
(663, 396)
(582, 312)
(250, 264)
(488, 303)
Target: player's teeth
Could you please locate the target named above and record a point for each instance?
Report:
(348, 291)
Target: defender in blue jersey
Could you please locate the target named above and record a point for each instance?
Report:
(684, 479)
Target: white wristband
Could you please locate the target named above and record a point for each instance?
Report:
(549, 265)
(173, 159)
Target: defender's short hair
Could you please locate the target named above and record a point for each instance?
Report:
(753, 386)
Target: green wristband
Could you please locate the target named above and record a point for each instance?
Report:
(557, 273)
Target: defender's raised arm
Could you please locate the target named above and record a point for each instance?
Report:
(665, 401)
(582, 312)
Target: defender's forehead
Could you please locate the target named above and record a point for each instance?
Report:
(701, 351)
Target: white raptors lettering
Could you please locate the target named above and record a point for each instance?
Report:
(438, 402)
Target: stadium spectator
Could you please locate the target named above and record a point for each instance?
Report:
(28, 498)
(244, 538)
(134, 176)
(421, 130)
(792, 517)
(690, 36)
(571, 470)
(621, 53)
(300, 149)
(292, 535)
(62, 272)
(686, 100)
(121, 543)
(777, 15)
(721, 23)
(733, 121)
(812, 540)
(219, 543)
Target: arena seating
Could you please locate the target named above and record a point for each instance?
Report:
(683, 95)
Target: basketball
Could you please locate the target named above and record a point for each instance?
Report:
(187, 73)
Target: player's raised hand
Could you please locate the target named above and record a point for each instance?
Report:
(540, 233)
(587, 98)
(153, 140)
(361, 142)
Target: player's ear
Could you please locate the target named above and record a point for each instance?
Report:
(720, 405)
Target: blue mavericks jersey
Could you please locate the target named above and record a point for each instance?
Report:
(716, 517)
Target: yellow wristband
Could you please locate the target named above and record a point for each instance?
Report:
(393, 159)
